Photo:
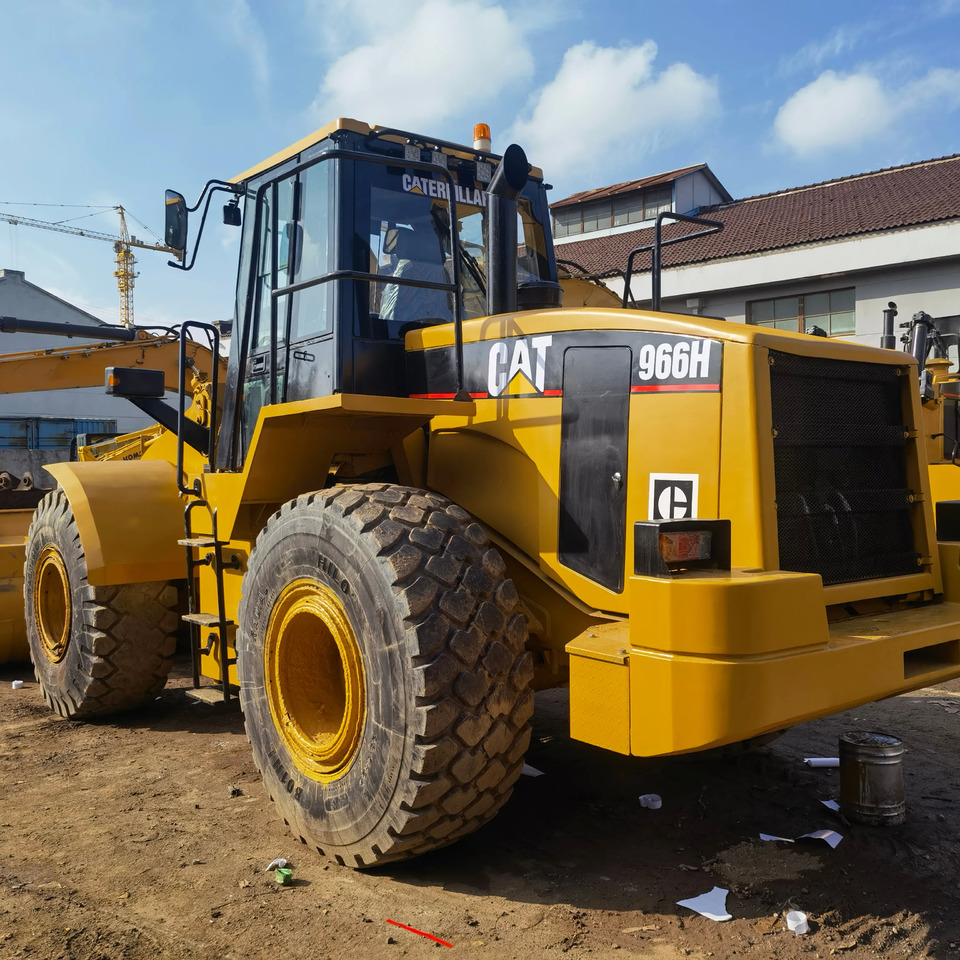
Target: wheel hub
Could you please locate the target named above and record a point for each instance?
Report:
(51, 603)
(315, 679)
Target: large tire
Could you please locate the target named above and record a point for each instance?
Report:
(95, 650)
(384, 678)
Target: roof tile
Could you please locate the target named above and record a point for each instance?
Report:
(628, 187)
(899, 197)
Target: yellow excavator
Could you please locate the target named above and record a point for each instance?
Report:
(425, 490)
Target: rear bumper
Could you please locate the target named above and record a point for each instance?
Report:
(727, 658)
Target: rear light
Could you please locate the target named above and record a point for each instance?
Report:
(669, 548)
(682, 547)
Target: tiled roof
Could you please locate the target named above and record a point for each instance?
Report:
(600, 192)
(891, 199)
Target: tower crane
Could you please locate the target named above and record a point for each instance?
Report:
(122, 244)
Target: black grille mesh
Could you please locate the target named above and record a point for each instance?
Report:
(843, 505)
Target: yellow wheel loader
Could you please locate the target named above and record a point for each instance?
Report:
(426, 490)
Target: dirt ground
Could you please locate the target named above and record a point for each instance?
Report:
(148, 836)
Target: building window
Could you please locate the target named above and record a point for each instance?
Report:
(567, 222)
(632, 208)
(832, 311)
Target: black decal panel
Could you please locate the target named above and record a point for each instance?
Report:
(532, 365)
(593, 462)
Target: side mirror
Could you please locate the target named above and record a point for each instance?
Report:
(175, 221)
(231, 213)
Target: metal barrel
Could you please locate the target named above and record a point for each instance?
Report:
(871, 778)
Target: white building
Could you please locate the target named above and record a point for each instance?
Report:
(831, 254)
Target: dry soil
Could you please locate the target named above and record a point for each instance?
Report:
(147, 836)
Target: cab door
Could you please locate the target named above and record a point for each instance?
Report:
(290, 353)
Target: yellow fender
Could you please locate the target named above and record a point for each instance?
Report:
(129, 515)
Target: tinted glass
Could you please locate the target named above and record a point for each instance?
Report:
(312, 311)
(815, 304)
(402, 231)
(786, 307)
(761, 311)
(842, 300)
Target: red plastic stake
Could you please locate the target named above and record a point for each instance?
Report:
(429, 936)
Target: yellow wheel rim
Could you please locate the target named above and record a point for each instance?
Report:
(51, 603)
(315, 680)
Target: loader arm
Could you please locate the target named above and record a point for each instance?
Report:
(64, 368)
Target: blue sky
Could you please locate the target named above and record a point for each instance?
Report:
(112, 102)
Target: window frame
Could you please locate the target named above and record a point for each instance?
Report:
(638, 206)
(803, 319)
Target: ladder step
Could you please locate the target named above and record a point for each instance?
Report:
(205, 619)
(212, 695)
(198, 542)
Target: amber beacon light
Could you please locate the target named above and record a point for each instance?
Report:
(481, 136)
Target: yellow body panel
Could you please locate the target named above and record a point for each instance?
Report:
(944, 482)
(130, 517)
(723, 615)
(585, 293)
(683, 703)
(727, 434)
(730, 685)
(294, 445)
(518, 442)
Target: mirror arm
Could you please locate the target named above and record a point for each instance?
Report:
(210, 188)
(213, 185)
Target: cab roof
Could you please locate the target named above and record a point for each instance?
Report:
(356, 126)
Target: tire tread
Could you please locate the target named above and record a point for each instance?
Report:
(466, 640)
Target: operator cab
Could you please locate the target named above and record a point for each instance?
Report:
(348, 243)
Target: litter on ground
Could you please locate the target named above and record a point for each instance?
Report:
(830, 836)
(797, 922)
(712, 905)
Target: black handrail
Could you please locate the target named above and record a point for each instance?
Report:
(214, 335)
(713, 226)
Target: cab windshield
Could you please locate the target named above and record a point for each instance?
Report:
(402, 225)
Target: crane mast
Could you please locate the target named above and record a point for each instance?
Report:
(125, 273)
(122, 247)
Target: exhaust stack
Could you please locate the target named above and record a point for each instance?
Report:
(509, 179)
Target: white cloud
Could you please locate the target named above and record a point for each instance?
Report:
(420, 65)
(607, 99)
(839, 111)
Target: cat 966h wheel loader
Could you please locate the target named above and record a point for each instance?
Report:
(429, 490)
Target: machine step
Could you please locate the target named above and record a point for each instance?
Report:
(212, 695)
(205, 620)
(198, 542)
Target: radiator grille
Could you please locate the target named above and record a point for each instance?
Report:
(843, 504)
